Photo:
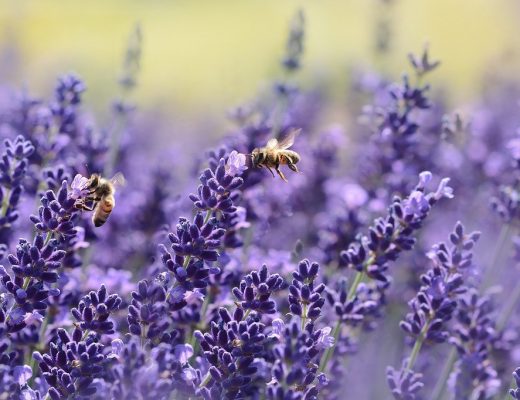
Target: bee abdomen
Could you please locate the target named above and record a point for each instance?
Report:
(293, 156)
(106, 205)
(103, 210)
(99, 220)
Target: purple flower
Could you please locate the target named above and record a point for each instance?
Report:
(79, 187)
(22, 374)
(183, 353)
(236, 163)
(416, 203)
(424, 178)
(193, 297)
(117, 346)
(444, 190)
(354, 196)
(33, 318)
(278, 327)
(325, 340)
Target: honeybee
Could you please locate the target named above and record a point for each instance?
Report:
(101, 195)
(275, 154)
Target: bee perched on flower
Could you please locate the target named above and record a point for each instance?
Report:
(99, 192)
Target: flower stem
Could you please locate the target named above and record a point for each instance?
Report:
(492, 269)
(5, 203)
(353, 289)
(208, 216)
(304, 316)
(418, 345)
(508, 309)
(47, 238)
(438, 390)
(507, 396)
(206, 380)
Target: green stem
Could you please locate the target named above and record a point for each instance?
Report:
(143, 337)
(508, 309)
(507, 396)
(304, 316)
(418, 344)
(337, 329)
(208, 216)
(203, 310)
(117, 131)
(32, 361)
(48, 238)
(5, 203)
(206, 380)
(353, 289)
(438, 390)
(85, 334)
(491, 269)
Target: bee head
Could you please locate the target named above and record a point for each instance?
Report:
(257, 157)
(94, 181)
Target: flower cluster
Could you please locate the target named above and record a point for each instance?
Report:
(13, 168)
(434, 305)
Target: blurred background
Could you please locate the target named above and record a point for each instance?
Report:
(200, 57)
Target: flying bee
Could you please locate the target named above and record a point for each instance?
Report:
(277, 153)
(101, 195)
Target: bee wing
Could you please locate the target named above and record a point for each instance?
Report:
(272, 144)
(288, 140)
(118, 179)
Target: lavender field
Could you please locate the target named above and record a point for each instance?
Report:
(293, 247)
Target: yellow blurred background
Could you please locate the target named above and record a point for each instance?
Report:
(203, 56)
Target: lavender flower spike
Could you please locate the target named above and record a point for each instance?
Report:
(515, 393)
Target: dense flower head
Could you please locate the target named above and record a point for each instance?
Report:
(391, 235)
(215, 190)
(146, 312)
(404, 383)
(305, 298)
(56, 212)
(255, 291)
(473, 337)
(13, 168)
(71, 365)
(441, 286)
(67, 98)
(33, 268)
(230, 347)
(94, 310)
(300, 379)
(515, 393)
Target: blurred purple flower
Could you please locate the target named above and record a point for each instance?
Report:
(325, 340)
(22, 374)
(193, 297)
(183, 352)
(33, 318)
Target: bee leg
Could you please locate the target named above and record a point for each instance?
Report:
(270, 170)
(281, 174)
(292, 167)
(83, 206)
